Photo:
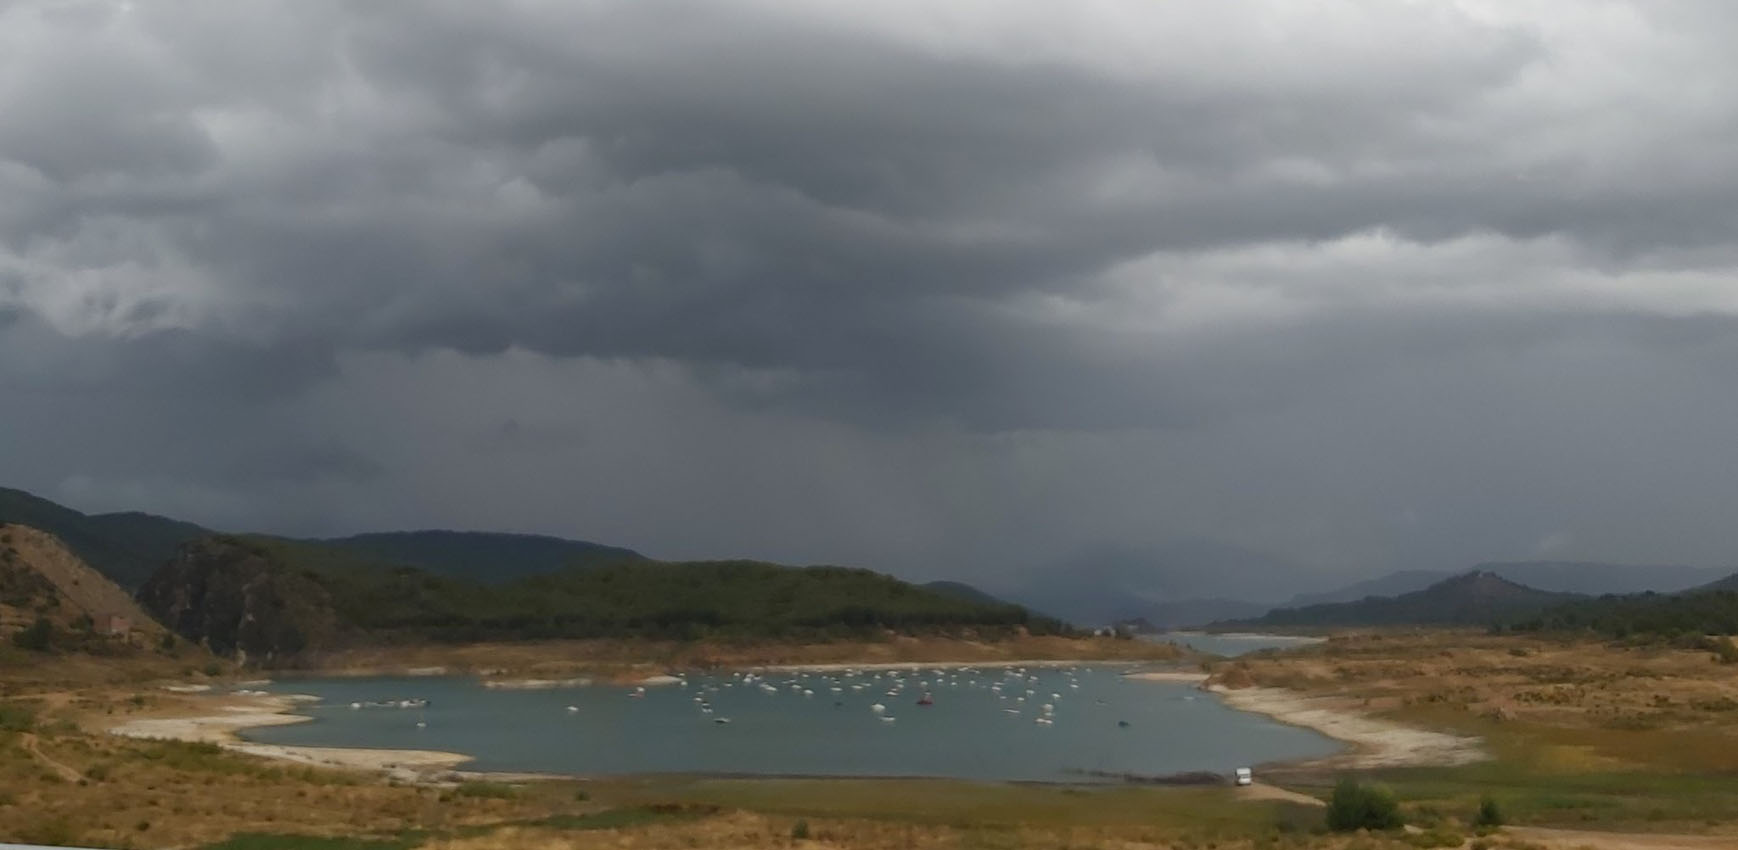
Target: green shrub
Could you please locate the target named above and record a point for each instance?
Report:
(800, 831)
(16, 718)
(1490, 814)
(37, 637)
(1356, 806)
(1724, 651)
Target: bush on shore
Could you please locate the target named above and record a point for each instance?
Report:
(1356, 806)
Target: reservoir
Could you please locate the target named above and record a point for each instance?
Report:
(988, 723)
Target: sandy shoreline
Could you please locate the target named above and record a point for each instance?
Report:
(1375, 742)
(1187, 677)
(275, 710)
(882, 666)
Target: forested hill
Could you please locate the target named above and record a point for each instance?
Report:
(961, 590)
(129, 547)
(124, 547)
(279, 600)
(1646, 615)
(1474, 598)
(477, 555)
(1711, 609)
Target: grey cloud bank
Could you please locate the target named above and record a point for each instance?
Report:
(957, 290)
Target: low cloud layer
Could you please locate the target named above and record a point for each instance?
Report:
(953, 291)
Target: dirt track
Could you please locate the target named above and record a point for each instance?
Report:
(1262, 791)
(29, 743)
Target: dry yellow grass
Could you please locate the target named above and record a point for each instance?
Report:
(144, 794)
(1590, 692)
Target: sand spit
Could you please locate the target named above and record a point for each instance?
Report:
(221, 729)
(1375, 742)
(1186, 677)
(535, 684)
(1299, 639)
(937, 665)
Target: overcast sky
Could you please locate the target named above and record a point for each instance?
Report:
(949, 289)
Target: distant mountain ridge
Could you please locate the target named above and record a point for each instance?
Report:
(1479, 597)
(129, 547)
(1183, 582)
(1585, 577)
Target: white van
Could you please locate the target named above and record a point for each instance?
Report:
(1243, 776)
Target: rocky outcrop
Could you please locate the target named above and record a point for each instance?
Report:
(228, 594)
(42, 580)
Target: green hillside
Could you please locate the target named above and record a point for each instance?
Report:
(961, 590)
(277, 598)
(1694, 613)
(125, 547)
(480, 556)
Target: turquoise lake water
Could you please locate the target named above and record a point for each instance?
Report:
(983, 724)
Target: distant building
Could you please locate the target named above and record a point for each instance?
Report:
(115, 624)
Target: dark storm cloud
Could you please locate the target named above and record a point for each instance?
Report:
(958, 254)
